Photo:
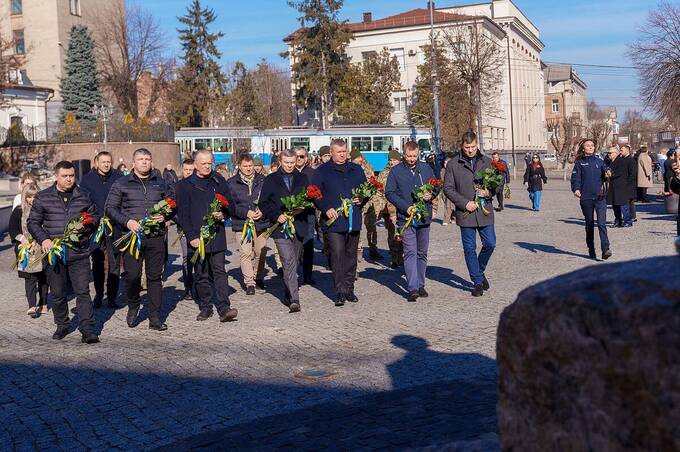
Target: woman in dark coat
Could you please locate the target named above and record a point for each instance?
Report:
(534, 178)
(620, 183)
(35, 280)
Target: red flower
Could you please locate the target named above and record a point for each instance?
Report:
(436, 183)
(376, 183)
(222, 200)
(314, 193)
(171, 202)
(498, 166)
(86, 219)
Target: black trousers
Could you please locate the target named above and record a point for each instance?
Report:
(500, 196)
(590, 209)
(211, 276)
(99, 255)
(642, 194)
(152, 256)
(78, 271)
(36, 288)
(343, 250)
(308, 258)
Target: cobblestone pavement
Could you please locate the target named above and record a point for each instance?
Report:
(382, 373)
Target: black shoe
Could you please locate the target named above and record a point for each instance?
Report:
(606, 254)
(187, 295)
(478, 290)
(412, 296)
(158, 326)
(132, 316)
(309, 282)
(485, 284)
(294, 307)
(351, 297)
(89, 338)
(61, 333)
(592, 254)
(205, 314)
(394, 265)
(259, 284)
(97, 302)
(422, 293)
(228, 314)
(340, 299)
(250, 290)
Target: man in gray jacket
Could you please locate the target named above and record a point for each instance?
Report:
(460, 188)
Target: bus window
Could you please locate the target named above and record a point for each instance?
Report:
(299, 141)
(221, 145)
(424, 144)
(363, 144)
(382, 144)
(202, 143)
(242, 144)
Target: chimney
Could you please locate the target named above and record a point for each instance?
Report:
(368, 18)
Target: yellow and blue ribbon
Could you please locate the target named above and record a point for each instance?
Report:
(289, 227)
(105, 229)
(22, 256)
(57, 251)
(248, 232)
(204, 237)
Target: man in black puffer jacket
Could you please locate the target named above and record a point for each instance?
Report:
(245, 189)
(130, 199)
(194, 196)
(52, 210)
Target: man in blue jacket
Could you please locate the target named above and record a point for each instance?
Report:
(194, 195)
(403, 180)
(337, 179)
(98, 183)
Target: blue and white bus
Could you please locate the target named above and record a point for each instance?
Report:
(373, 142)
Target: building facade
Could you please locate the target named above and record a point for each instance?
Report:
(565, 100)
(40, 31)
(515, 117)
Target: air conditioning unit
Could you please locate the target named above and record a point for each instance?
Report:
(411, 53)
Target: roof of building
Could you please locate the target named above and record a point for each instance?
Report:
(561, 73)
(415, 17)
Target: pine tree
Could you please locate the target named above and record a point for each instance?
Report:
(80, 88)
(318, 55)
(198, 94)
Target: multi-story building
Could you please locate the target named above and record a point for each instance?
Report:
(516, 118)
(565, 100)
(40, 31)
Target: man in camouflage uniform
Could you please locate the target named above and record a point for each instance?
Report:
(369, 212)
(388, 212)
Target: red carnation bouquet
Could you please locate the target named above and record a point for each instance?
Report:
(368, 189)
(75, 232)
(294, 205)
(209, 227)
(132, 242)
(488, 179)
(419, 211)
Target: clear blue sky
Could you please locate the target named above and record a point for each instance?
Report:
(573, 31)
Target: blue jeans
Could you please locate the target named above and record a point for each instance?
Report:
(535, 197)
(415, 241)
(477, 264)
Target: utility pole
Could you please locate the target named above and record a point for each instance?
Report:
(436, 126)
(478, 90)
(325, 91)
(512, 124)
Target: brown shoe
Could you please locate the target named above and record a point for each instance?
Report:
(228, 315)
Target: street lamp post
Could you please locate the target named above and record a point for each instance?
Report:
(104, 112)
(436, 127)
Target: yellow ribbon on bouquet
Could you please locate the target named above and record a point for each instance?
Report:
(23, 251)
(248, 232)
(203, 238)
(105, 229)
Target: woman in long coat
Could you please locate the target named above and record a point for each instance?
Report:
(644, 174)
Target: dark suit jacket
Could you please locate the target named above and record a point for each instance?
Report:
(273, 189)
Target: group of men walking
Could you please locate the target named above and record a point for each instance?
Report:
(254, 202)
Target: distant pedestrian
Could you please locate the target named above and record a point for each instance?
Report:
(123, 169)
(644, 174)
(534, 178)
(588, 184)
(500, 194)
(675, 183)
(169, 175)
(619, 193)
(632, 181)
(668, 171)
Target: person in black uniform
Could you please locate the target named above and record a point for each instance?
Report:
(194, 195)
(130, 199)
(303, 166)
(52, 210)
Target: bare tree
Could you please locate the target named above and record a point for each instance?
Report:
(656, 54)
(129, 43)
(477, 58)
(565, 135)
(638, 128)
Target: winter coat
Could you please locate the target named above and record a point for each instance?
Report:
(192, 206)
(243, 200)
(667, 174)
(273, 189)
(49, 217)
(507, 171)
(459, 187)
(336, 184)
(98, 186)
(170, 177)
(644, 175)
(401, 183)
(588, 177)
(535, 178)
(621, 182)
(129, 199)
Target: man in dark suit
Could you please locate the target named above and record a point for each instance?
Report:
(286, 181)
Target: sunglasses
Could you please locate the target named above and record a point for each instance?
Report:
(302, 156)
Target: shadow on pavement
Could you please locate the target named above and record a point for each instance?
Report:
(536, 247)
(447, 276)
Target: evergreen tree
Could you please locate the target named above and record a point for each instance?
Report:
(80, 88)
(365, 92)
(198, 94)
(456, 113)
(318, 55)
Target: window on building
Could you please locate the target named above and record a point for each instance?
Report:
(365, 56)
(401, 58)
(19, 43)
(299, 141)
(382, 144)
(555, 106)
(17, 7)
(422, 54)
(16, 121)
(399, 101)
(74, 7)
(363, 144)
